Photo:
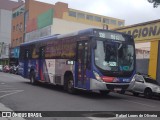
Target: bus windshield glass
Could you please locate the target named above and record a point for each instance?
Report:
(114, 56)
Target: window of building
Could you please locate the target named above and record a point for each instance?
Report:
(21, 10)
(20, 40)
(89, 17)
(105, 20)
(120, 23)
(98, 19)
(12, 42)
(81, 15)
(17, 27)
(113, 22)
(17, 13)
(16, 41)
(20, 26)
(72, 13)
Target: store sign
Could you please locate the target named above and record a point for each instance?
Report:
(14, 53)
(144, 32)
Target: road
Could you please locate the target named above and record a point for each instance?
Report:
(17, 94)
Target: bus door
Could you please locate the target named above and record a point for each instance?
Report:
(82, 55)
(26, 61)
(41, 63)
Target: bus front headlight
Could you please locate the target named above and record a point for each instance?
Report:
(97, 76)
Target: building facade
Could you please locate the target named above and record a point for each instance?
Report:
(6, 7)
(61, 20)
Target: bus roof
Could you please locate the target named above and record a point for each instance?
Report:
(58, 36)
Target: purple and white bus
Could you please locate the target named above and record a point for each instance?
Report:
(91, 59)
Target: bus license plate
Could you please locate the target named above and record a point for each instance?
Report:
(117, 89)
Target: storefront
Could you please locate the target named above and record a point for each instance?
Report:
(14, 55)
(4, 53)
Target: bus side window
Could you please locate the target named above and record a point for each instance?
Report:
(42, 52)
(27, 54)
(22, 53)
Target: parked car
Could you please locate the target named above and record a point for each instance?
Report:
(143, 84)
(1, 68)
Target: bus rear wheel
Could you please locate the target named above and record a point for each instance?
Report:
(32, 78)
(70, 85)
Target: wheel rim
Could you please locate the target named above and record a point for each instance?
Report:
(70, 84)
(148, 93)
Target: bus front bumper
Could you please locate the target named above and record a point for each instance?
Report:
(98, 85)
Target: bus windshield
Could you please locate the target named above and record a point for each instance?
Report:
(114, 56)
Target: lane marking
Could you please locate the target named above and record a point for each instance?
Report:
(139, 103)
(11, 93)
(5, 85)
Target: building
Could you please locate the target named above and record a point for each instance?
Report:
(35, 19)
(61, 20)
(6, 7)
(147, 32)
(17, 32)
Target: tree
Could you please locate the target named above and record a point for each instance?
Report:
(155, 3)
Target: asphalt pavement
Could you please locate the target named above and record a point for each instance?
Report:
(17, 94)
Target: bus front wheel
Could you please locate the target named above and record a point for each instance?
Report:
(104, 92)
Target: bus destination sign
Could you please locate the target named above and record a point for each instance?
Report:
(109, 35)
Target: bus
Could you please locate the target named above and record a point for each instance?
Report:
(91, 59)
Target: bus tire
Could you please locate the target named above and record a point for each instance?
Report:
(104, 92)
(32, 78)
(70, 85)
